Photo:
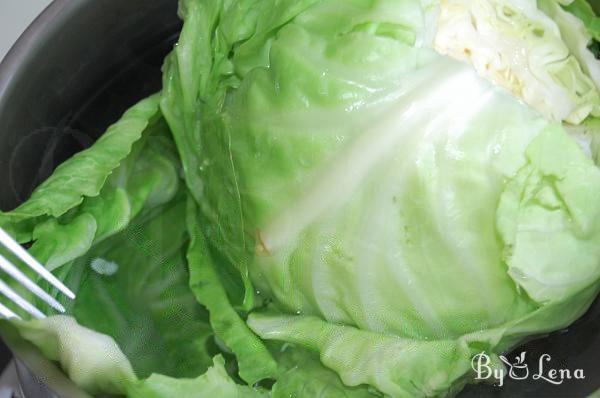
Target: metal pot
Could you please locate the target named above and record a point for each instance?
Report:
(73, 72)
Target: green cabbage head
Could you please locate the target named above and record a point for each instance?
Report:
(392, 209)
(332, 198)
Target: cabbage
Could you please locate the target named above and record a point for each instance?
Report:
(331, 198)
(579, 38)
(514, 44)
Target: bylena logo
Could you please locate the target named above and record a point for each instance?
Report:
(485, 368)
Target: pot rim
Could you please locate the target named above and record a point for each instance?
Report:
(38, 31)
(35, 33)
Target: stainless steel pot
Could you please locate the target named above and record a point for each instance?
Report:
(73, 72)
